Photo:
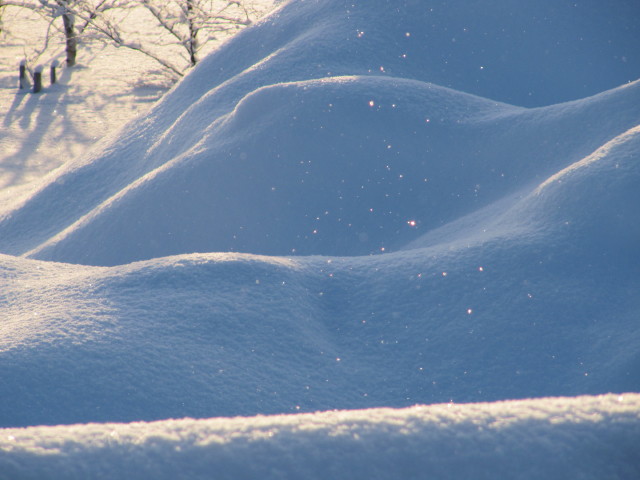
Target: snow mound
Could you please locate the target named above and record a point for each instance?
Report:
(326, 139)
(527, 297)
(584, 437)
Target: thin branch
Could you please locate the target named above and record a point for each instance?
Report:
(114, 35)
(164, 21)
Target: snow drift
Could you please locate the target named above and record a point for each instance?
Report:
(339, 210)
(334, 136)
(532, 299)
(585, 437)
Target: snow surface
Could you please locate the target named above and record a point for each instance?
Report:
(40, 132)
(338, 210)
(556, 438)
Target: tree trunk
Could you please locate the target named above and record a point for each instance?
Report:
(70, 35)
(193, 32)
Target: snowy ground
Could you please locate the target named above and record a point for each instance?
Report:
(106, 88)
(350, 206)
(40, 132)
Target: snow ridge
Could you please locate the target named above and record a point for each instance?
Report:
(524, 439)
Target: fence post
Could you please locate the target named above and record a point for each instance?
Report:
(52, 71)
(37, 79)
(23, 74)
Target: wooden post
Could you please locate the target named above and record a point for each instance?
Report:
(23, 75)
(37, 79)
(52, 71)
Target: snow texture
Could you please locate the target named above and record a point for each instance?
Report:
(339, 209)
(583, 437)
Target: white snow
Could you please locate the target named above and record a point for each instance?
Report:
(583, 437)
(40, 132)
(394, 210)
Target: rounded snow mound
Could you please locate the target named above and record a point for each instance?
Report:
(532, 295)
(595, 198)
(591, 204)
(340, 166)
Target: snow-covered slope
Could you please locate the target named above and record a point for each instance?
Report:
(340, 166)
(273, 150)
(312, 220)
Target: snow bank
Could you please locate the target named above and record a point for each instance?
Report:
(584, 437)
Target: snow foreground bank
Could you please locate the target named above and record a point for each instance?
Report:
(584, 437)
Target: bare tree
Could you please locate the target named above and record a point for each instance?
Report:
(177, 34)
(191, 25)
(69, 11)
(52, 11)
